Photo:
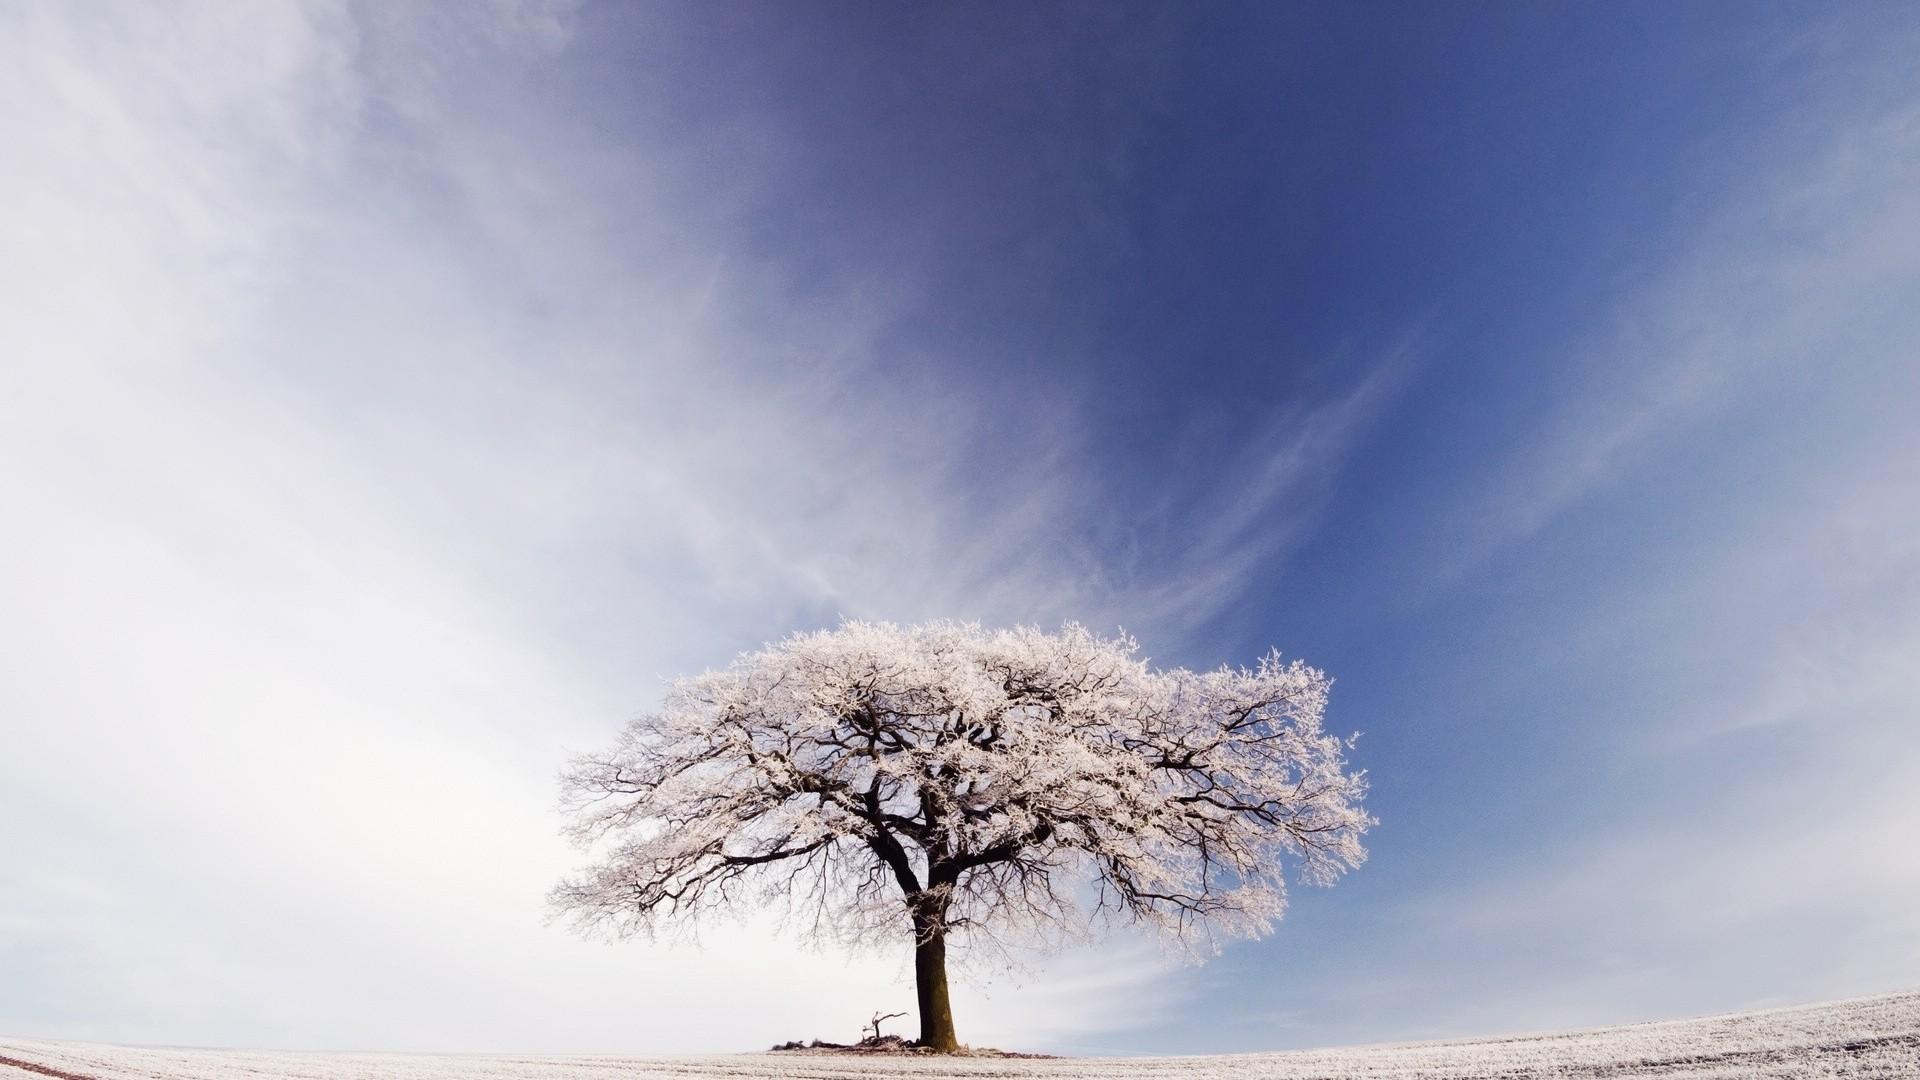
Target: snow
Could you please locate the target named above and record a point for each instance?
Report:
(1874, 1037)
(985, 773)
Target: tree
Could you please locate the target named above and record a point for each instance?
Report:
(964, 785)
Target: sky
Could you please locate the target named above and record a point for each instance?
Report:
(394, 397)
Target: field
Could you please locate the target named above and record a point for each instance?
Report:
(1867, 1037)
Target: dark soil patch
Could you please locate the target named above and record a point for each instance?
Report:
(58, 1074)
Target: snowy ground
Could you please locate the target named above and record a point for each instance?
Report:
(1868, 1037)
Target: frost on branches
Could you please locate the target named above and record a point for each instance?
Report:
(957, 783)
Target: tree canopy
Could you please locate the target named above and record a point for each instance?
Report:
(952, 782)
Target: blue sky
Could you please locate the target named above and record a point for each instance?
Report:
(393, 399)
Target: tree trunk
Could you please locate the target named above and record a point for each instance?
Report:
(930, 978)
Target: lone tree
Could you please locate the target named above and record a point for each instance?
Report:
(964, 784)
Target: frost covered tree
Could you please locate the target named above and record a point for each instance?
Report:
(950, 784)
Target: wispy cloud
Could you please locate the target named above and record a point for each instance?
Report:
(359, 463)
(381, 421)
(1737, 668)
(1805, 266)
(1254, 497)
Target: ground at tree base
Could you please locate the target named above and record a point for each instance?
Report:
(1873, 1038)
(895, 1044)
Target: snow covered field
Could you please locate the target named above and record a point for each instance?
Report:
(1866, 1037)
